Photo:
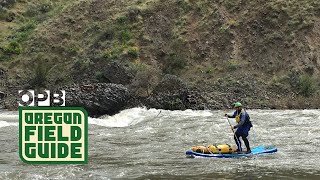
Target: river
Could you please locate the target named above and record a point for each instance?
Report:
(144, 143)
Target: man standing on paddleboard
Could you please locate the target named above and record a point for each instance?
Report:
(243, 126)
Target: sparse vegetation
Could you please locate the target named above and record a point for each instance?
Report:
(224, 28)
(114, 53)
(173, 37)
(231, 5)
(40, 7)
(82, 65)
(233, 64)
(207, 70)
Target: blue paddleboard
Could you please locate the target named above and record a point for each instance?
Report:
(255, 151)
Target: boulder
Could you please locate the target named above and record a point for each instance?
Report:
(2, 95)
(118, 73)
(98, 99)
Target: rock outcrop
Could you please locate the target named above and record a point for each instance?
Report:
(174, 94)
(98, 99)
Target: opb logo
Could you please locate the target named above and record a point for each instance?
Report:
(43, 98)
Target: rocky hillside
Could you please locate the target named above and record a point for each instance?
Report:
(265, 54)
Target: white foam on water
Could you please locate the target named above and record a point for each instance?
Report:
(9, 116)
(125, 118)
(311, 111)
(134, 116)
(190, 113)
(6, 124)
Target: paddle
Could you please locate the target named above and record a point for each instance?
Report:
(234, 134)
(230, 125)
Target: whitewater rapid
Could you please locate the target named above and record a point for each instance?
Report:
(151, 143)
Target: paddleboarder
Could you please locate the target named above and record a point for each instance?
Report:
(243, 126)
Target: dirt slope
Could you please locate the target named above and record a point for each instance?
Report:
(266, 54)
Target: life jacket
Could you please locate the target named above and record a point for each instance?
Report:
(247, 121)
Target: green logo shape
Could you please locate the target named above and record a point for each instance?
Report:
(53, 135)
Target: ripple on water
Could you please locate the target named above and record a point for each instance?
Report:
(150, 144)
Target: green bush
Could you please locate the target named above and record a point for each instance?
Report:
(174, 63)
(40, 75)
(125, 36)
(23, 32)
(115, 52)
(12, 48)
(133, 52)
(27, 27)
(122, 20)
(306, 85)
